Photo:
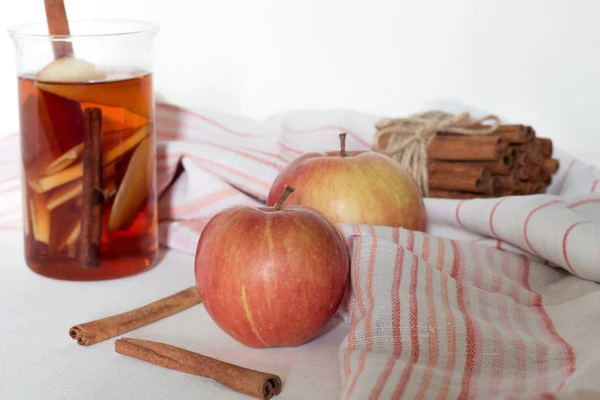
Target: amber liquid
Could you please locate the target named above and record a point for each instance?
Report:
(51, 116)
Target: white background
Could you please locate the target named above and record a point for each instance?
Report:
(533, 61)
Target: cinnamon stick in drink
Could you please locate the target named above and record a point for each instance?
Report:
(251, 382)
(58, 24)
(92, 195)
(97, 331)
(466, 148)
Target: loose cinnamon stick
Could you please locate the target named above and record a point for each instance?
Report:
(97, 331)
(466, 148)
(92, 195)
(551, 165)
(58, 24)
(251, 382)
(459, 182)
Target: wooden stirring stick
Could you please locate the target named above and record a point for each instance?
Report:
(58, 25)
(92, 197)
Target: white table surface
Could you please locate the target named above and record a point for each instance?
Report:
(39, 361)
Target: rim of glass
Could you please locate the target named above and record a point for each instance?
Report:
(144, 28)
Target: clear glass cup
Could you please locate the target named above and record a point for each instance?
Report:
(86, 108)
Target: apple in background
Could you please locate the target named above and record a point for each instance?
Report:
(354, 187)
(271, 277)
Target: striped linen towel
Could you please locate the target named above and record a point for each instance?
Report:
(498, 300)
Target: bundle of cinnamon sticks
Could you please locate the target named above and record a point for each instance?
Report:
(512, 161)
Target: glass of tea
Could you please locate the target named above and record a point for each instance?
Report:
(86, 108)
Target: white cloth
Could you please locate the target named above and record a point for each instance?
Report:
(498, 299)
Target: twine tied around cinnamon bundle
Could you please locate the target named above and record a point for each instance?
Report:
(405, 140)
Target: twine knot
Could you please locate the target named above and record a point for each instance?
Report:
(406, 139)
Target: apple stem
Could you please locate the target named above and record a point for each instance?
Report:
(342, 144)
(286, 192)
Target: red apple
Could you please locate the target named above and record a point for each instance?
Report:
(354, 187)
(269, 276)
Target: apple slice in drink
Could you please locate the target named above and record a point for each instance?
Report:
(70, 235)
(43, 184)
(68, 232)
(115, 119)
(64, 160)
(111, 139)
(129, 93)
(134, 189)
(55, 165)
(64, 193)
(26, 218)
(110, 189)
(37, 134)
(65, 115)
(72, 189)
(25, 202)
(69, 69)
(40, 218)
